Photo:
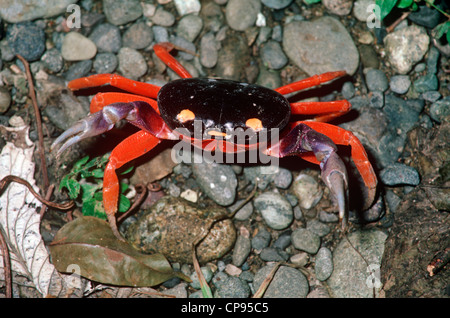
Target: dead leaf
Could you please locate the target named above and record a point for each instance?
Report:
(89, 244)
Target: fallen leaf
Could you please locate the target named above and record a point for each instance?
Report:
(88, 243)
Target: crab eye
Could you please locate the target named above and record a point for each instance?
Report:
(254, 123)
(185, 115)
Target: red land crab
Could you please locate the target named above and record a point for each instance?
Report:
(220, 106)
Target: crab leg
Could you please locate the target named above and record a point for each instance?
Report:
(309, 82)
(101, 100)
(162, 51)
(326, 110)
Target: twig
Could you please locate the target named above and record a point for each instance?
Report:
(10, 178)
(6, 265)
(262, 288)
(397, 22)
(32, 95)
(47, 197)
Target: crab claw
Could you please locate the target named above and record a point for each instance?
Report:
(335, 177)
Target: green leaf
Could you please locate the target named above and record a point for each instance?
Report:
(124, 203)
(74, 188)
(77, 166)
(385, 6)
(97, 173)
(89, 243)
(88, 190)
(128, 170)
(441, 29)
(402, 4)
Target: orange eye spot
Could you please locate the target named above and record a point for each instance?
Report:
(185, 115)
(216, 133)
(254, 123)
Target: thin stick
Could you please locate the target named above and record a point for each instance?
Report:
(6, 265)
(47, 197)
(32, 95)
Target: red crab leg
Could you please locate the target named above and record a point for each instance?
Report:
(327, 110)
(129, 149)
(341, 136)
(101, 100)
(162, 51)
(309, 82)
(117, 81)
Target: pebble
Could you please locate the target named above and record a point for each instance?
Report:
(283, 241)
(185, 7)
(440, 109)
(208, 50)
(107, 38)
(163, 18)
(318, 228)
(218, 181)
(241, 15)
(52, 60)
(275, 210)
(273, 56)
(5, 99)
(15, 11)
(360, 9)
(369, 57)
(300, 259)
(350, 277)
(348, 90)
(138, 36)
(131, 63)
(77, 47)
(398, 174)
(425, 16)
(428, 82)
(307, 190)
(78, 70)
(261, 239)
(338, 7)
(324, 264)
(244, 212)
(105, 63)
(320, 46)
(433, 60)
(376, 99)
(122, 12)
(26, 39)
(400, 84)
(189, 27)
(376, 80)
(287, 282)
(207, 274)
(277, 4)
(326, 217)
(305, 240)
(270, 254)
(241, 250)
(232, 287)
(405, 47)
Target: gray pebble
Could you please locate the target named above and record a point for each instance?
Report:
(270, 254)
(273, 55)
(276, 4)
(305, 240)
(5, 99)
(400, 84)
(431, 96)
(287, 282)
(348, 90)
(428, 82)
(208, 50)
(107, 38)
(275, 209)
(241, 250)
(376, 80)
(160, 34)
(241, 15)
(283, 241)
(185, 44)
(399, 174)
(78, 70)
(324, 264)
(122, 12)
(261, 239)
(233, 287)
(318, 228)
(440, 109)
(328, 217)
(307, 190)
(163, 17)
(26, 39)
(52, 60)
(189, 27)
(131, 63)
(244, 212)
(207, 273)
(105, 63)
(138, 36)
(377, 99)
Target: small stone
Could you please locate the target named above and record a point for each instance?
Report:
(52, 60)
(185, 7)
(400, 84)
(425, 16)
(307, 190)
(273, 55)
(26, 39)
(189, 195)
(440, 109)
(360, 9)
(163, 18)
(270, 254)
(338, 7)
(233, 287)
(77, 47)
(324, 264)
(107, 38)
(305, 240)
(398, 174)
(208, 50)
(318, 228)
(244, 212)
(207, 274)
(377, 99)
(376, 80)
(131, 63)
(275, 209)
(241, 250)
(122, 12)
(79, 69)
(261, 239)
(241, 15)
(233, 270)
(189, 27)
(14, 11)
(300, 259)
(348, 90)
(105, 63)
(276, 4)
(5, 99)
(138, 36)
(426, 83)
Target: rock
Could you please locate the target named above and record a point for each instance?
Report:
(305, 240)
(207, 274)
(189, 27)
(350, 277)
(307, 190)
(369, 57)
(318, 228)
(324, 264)
(26, 39)
(77, 47)
(273, 55)
(163, 18)
(131, 63)
(208, 50)
(287, 282)
(15, 11)
(261, 239)
(425, 16)
(338, 7)
(241, 250)
(244, 212)
(53, 60)
(138, 36)
(400, 84)
(348, 90)
(5, 99)
(399, 174)
(107, 38)
(77, 70)
(376, 80)
(440, 109)
(320, 46)
(232, 287)
(275, 209)
(428, 82)
(105, 63)
(276, 4)
(172, 224)
(360, 9)
(119, 13)
(218, 181)
(185, 7)
(241, 15)
(232, 57)
(406, 47)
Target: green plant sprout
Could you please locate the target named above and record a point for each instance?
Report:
(386, 6)
(85, 182)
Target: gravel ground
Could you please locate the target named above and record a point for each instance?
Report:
(397, 83)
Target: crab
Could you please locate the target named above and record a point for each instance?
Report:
(206, 112)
